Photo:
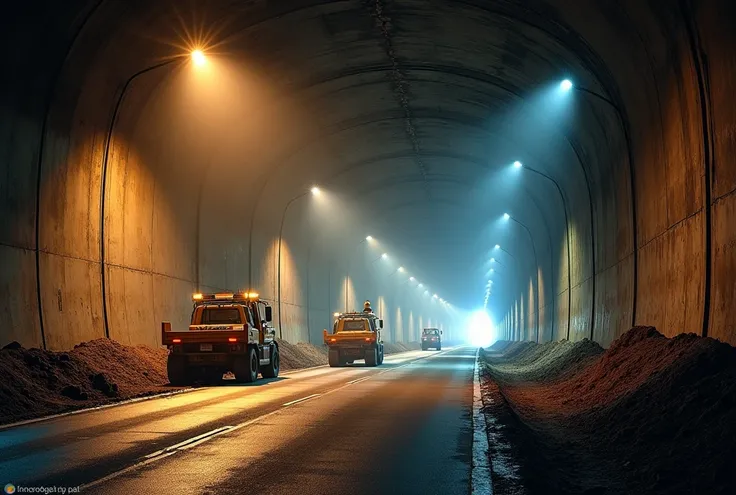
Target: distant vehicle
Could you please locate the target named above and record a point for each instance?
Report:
(228, 332)
(355, 336)
(431, 337)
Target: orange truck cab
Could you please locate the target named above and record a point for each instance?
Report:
(355, 336)
(228, 332)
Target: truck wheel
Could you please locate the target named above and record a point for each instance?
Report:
(333, 357)
(380, 356)
(371, 357)
(245, 367)
(439, 347)
(176, 368)
(271, 370)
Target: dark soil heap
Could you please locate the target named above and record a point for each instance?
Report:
(650, 415)
(37, 383)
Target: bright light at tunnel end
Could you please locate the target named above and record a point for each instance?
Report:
(566, 85)
(480, 329)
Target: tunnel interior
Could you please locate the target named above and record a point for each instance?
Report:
(134, 174)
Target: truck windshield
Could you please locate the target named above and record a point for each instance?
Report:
(431, 331)
(353, 325)
(221, 316)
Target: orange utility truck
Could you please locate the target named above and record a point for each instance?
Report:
(355, 336)
(228, 332)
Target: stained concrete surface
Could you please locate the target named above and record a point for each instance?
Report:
(405, 95)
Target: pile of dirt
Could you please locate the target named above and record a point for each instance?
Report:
(396, 347)
(37, 383)
(545, 362)
(500, 345)
(649, 415)
(301, 355)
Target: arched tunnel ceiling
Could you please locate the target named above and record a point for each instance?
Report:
(417, 100)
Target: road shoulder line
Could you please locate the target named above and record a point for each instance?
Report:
(480, 480)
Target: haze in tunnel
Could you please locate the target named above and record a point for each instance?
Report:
(135, 173)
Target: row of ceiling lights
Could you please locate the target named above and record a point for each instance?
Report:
(517, 164)
(565, 85)
(401, 269)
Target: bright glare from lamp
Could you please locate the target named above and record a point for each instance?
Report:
(435, 296)
(420, 285)
(198, 57)
(369, 238)
(517, 164)
(480, 329)
(506, 216)
(411, 278)
(492, 270)
(401, 269)
(384, 256)
(497, 246)
(566, 85)
(315, 191)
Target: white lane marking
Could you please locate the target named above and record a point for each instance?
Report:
(480, 479)
(300, 400)
(229, 429)
(188, 442)
(360, 380)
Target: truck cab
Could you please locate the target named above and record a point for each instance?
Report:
(355, 336)
(431, 338)
(228, 332)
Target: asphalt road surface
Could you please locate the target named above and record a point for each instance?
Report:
(400, 428)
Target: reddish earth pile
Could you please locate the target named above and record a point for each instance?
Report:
(650, 415)
(37, 383)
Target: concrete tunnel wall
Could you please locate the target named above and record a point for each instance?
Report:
(672, 69)
(165, 234)
(658, 248)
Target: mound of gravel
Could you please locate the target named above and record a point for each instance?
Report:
(650, 415)
(544, 362)
(301, 355)
(38, 383)
(396, 347)
(500, 345)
